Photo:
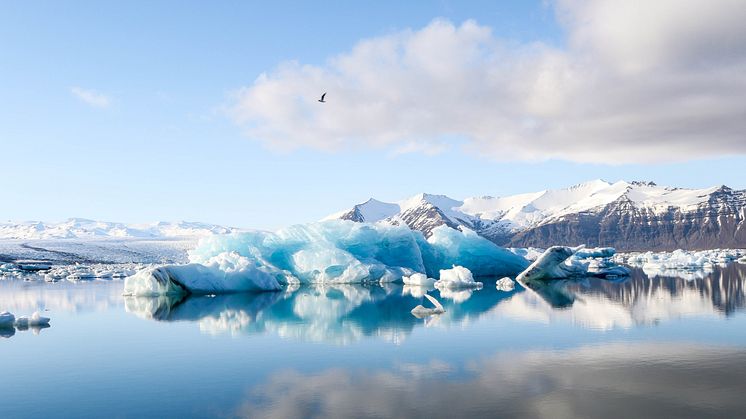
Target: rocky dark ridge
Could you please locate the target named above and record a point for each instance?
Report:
(716, 218)
(717, 223)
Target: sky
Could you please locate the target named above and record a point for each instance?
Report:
(175, 110)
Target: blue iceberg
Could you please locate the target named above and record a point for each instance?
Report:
(328, 252)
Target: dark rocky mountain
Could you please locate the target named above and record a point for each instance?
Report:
(628, 216)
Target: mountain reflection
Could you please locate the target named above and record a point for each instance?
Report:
(344, 314)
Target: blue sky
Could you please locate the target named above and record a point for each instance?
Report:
(150, 135)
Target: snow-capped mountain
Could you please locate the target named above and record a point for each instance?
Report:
(626, 215)
(77, 228)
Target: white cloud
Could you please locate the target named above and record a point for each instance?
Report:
(638, 81)
(91, 97)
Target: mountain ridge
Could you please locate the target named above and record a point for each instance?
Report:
(636, 215)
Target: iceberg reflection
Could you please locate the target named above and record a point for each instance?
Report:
(330, 313)
(345, 313)
(638, 300)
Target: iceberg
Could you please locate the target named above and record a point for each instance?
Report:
(456, 278)
(559, 262)
(327, 252)
(224, 273)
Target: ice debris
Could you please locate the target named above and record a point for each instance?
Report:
(505, 284)
(7, 320)
(328, 252)
(660, 263)
(559, 262)
(455, 278)
(36, 320)
(421, 312)
(418, 279)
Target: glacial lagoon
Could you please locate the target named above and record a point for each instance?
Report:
(643, 346)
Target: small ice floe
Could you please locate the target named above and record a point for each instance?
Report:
(418, 279)
(421, 312)
(7, 320)
(36, 320)
(505, 284)
(682, 260)
(81, 273)
(33, 265)
(457, 277)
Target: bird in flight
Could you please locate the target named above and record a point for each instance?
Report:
(322, 98)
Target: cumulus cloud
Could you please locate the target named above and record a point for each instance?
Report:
(91, 97)
(637, 81)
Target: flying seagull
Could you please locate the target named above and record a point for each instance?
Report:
(322, 98)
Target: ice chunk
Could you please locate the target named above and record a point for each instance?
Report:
(421, 312)
(551, 265)
(597, 252)
(418, 279)
(225, 273)
(7, 320)
(505, 284)
(329, 252)
(559, 262)
(36, 320)
(679, 261)
(457, 277)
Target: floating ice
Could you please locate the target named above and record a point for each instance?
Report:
(457, 277)
(597, 252)
(681, 261)
(224, 273)
(7, 320)
(329, 252)
(36, 320)
(418, 279)
(560, 262)
(421, 312)
(505, 284)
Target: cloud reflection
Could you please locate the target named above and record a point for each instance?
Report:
(610, 381)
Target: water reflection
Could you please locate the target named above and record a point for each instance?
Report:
(347, 313)
(19, 296)
(332, 313)
(616, 380)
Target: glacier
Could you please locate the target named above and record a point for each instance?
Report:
(326, 252)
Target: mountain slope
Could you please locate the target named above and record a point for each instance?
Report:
(626, 215)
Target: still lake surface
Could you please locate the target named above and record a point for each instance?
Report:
(643, 347)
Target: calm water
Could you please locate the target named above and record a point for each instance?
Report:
(644, 347)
